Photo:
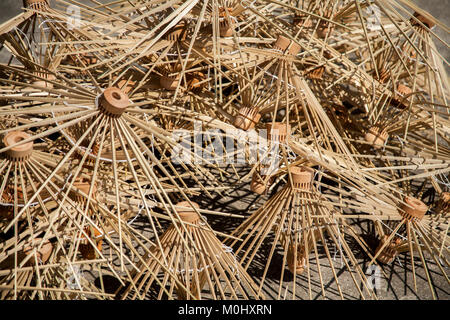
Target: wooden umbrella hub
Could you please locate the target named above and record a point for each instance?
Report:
(376, 136)
(301, 20)
(84, 58)
(400, 99)
(302, 177)
(21, 152)
(83, 185)
(86, 249)
(42, 82)
(44, 252)
(316, 73)
(178, 32)
(169, 82)
(222, 12)
(113, 102)
(403, 90)
(383, 75)
(443, 206)
(298, 268)
(37, 4)
(258, 186)
(193, 81)
(247, 118)
(325, 27)
(413, 209)
(302, 253)
(277, 131)
(389, 252)
(282, 44)
(186, 212)
(430, 24)
(225, 29)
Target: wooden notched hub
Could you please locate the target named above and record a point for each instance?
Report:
(113, 102)
(21, 152)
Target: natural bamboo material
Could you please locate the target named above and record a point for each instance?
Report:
(413, 209)
(213, 265)
(376, 136)
(443, 206)
(113, 102)
(389, 253)
(247, 118)
(43, 254)
(296, 207)
(17, 153)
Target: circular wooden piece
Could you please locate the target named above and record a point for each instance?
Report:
(258, 186)
(400, 99)
(28, 2)
(414, 209)
(301, 261)
(43, 83)
(225, 29)
(403, 90)
(18, 153)
(37, 4)
(86, 249)
(443, 206)
(376, 136)
(383, 75)
(302, 251)
(302, 177)
(43, 254)
(177, 32)
(430, 24)
(324, 30)
(247, 118)
(277, 131)
(187, 214)
(282, 43)
(193, 81)
(325, 27)
(389, 252)
(301, 21)
(169, 82)
(114, 101)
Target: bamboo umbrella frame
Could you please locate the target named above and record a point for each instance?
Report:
(300, 223)
(95, 164)
(24, 37)
(393, 221)
(213, 265)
